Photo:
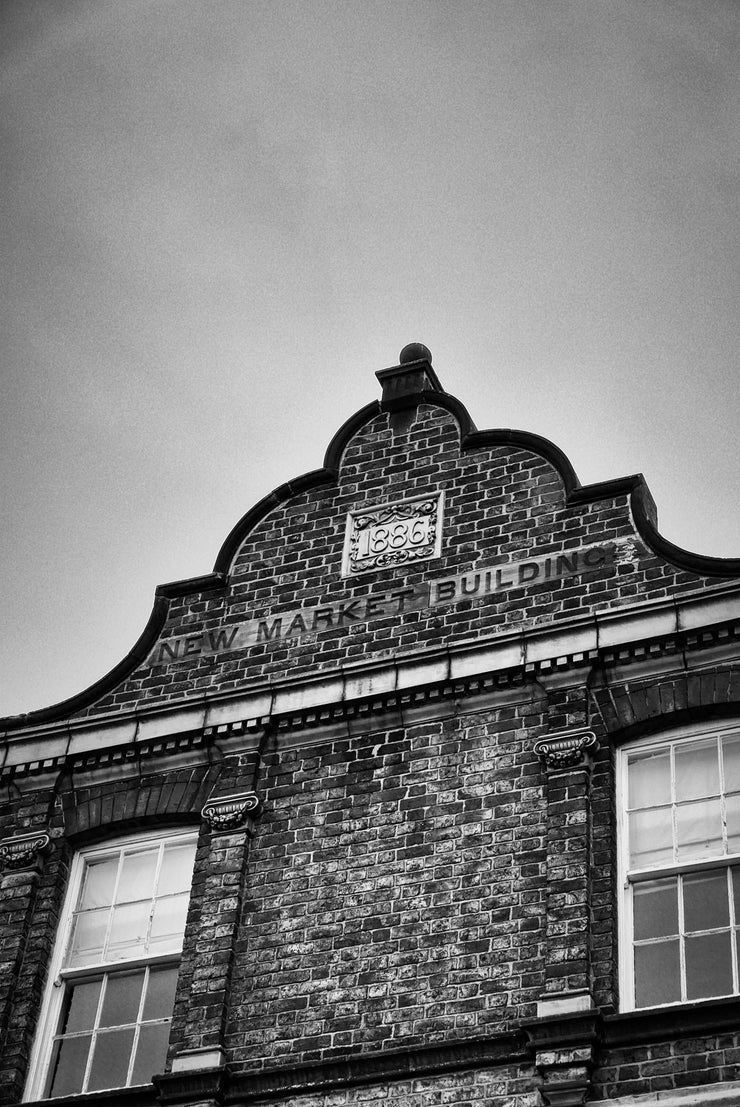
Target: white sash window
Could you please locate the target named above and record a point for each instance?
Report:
(680, 867)
(106, 1016)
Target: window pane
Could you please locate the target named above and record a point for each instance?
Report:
(736, 893)
(111, 1056)
(122, 998)
(176, 873)
(649, 779)
(160, 993)
(114, 1017)
(128, 930)
(168, 923)
(100, 882)
(697, 770)
(731, 760)
(708, 965)
(698, 829)
(650, 837)
(151, 1052)
(68, 1065)
(705, 900)
(655, 908)
(88, 936)
(82, 1006)
(657, 974)
(137, 876)
(732, 810)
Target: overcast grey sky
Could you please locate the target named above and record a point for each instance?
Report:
(221, 217)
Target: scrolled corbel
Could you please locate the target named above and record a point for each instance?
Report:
(234, 812)
(569, 750)
(24, 851)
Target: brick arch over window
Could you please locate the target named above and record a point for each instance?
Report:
(93, 810)
(677, 699)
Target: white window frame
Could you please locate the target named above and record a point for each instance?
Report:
(55, 993)
(627, 879)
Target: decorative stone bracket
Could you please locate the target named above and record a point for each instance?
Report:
(570, 750)
(24, 851)
(236, 812)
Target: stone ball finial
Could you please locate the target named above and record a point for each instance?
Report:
(415, 351)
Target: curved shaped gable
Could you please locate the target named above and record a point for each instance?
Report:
(419, 530)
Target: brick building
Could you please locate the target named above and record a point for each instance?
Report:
(429, 793)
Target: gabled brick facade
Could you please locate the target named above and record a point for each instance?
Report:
(403, 774)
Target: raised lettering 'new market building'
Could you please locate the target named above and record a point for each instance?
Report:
(429, 792)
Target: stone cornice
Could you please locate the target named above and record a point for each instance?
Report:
(376, 1068)
(536, 1039)
(696, 621)
(222, 1086)
(52, 753)
(343, 1072)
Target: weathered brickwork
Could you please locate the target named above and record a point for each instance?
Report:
(602, 933)
(471, 1088)
(406, 883)
(568, 884)
(395, 891)
(682, 1063)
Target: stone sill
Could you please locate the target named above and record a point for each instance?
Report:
(142, 1096)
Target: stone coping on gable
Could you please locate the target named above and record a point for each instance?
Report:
(467, 666)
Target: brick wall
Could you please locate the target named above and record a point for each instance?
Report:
(663, 1066)
(394, 892)
(505, 1086)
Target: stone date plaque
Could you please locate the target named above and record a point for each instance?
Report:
(397, 533)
